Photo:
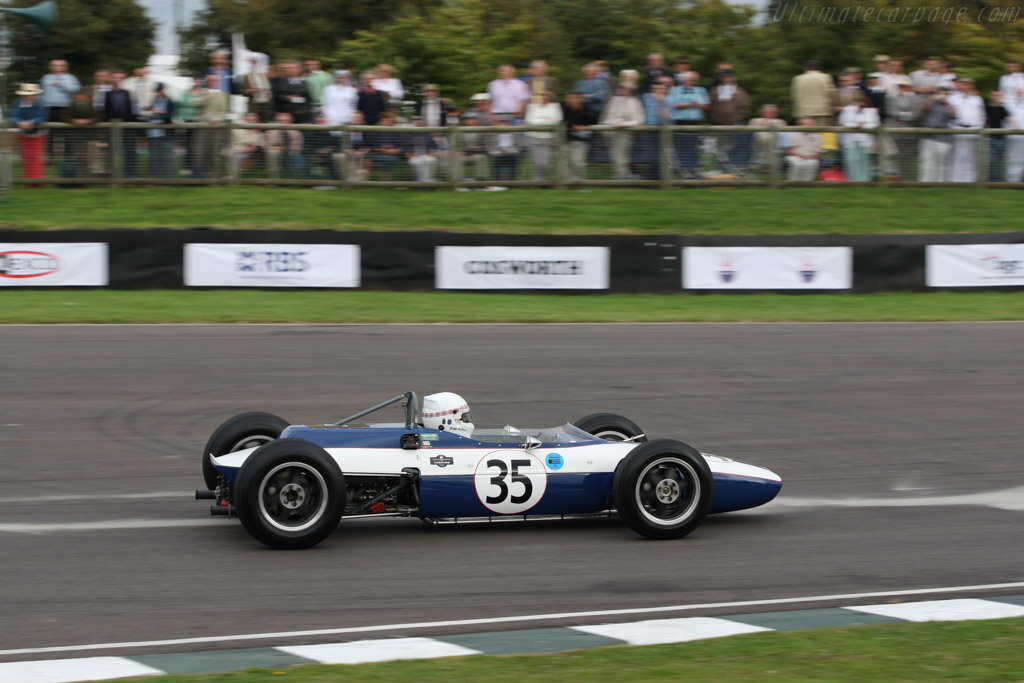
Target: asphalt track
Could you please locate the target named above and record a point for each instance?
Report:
(900, 446)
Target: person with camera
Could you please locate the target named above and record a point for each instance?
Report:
(934, 150)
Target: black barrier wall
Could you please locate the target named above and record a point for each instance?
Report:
(153, 258)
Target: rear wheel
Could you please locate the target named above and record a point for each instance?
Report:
(663, 489)
(247, 430)
(290, 493)
(611, 427)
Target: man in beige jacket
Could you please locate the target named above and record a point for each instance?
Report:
(814, 95)
(213, 107)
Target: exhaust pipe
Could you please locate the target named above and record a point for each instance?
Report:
(206, 495)
(222, 510)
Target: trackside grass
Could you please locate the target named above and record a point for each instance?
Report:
(293, 306)
(705, 211)
(950, 651)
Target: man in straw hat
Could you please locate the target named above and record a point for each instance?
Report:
(27, 114)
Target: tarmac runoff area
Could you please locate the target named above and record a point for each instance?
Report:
(899, 446)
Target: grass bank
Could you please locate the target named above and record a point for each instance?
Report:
(953, 651)
(241, 306)
(707, 211)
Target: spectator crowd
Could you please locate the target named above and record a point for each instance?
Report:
(661, 93)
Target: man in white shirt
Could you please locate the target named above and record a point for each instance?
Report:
(802, 152)
(141, 88)
(1011, 84)
(339, 100)
(927, 79)
(1014, 143)
(509, 95)
(970, 113)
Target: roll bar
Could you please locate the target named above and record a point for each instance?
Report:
(411, 406)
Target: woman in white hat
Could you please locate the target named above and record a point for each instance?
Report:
(27, 114)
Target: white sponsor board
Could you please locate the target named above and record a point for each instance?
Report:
(271, 265)
(522, 267)
(974, 265)
(54, 264)
(767, 267)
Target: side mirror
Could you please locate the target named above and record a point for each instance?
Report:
(531, 443)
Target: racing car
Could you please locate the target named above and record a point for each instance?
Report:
(290, 485)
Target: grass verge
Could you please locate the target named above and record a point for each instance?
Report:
(241, 306)
(953, 651)
(721, 211)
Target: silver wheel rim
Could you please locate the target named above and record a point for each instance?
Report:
(667, 491)
(292, 497)
(251, 442)
(612, 435)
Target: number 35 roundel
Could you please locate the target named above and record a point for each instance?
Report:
(510, 482)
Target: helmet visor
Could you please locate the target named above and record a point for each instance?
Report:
(467, 416)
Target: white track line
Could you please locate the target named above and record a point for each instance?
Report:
(509, 620)
(70, 497)
(1006, 499)
(104, 525)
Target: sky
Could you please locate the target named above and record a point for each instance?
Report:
(162, 12)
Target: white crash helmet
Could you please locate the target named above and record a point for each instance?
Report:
(447, 412)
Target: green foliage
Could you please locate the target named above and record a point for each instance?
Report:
(88, 34)
(459, 43)
(976, 37)
(289, 30)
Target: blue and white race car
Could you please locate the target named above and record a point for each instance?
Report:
(290, 485)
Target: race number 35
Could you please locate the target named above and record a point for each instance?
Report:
(510, 483)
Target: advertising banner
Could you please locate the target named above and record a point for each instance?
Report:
(522, 267)
(974, 265)
(271, 265)
(767, 267)
(54, 264)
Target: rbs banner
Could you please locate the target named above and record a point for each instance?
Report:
(55, 264)
(767, 268)
(522, 267)
(272, 265)
(974, 265)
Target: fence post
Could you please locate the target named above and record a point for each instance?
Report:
(664, 157)
(6, 158)
(775, 161)
(116, 153)
(882, 140)
(345, 167)
(456, 172)
(561, 150)
(981, 156)
(228, 152)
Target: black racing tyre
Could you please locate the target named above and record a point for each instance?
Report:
(611, 427)
(247, 430)
(290, 493)
(663, 489)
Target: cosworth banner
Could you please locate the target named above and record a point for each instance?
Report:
(272, 265)
(974, 265)
(767, 267)
(54, 264)
(522, 267)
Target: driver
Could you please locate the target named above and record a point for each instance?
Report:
(447, 412)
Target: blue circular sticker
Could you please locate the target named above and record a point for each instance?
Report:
(554, 461)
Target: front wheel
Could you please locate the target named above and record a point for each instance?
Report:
(290, 493)
(611, 427)
(247, 430)
(663, 489)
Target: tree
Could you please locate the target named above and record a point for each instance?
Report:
(459, 44)
(88, 34)
(286, 29)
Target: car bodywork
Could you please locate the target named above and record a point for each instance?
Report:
(404, 469)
